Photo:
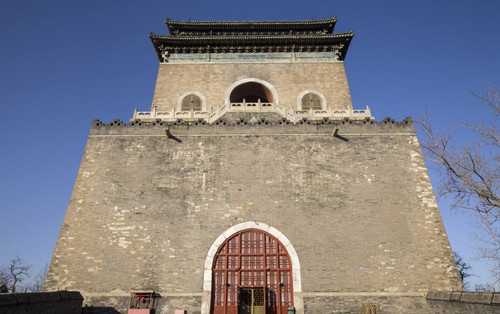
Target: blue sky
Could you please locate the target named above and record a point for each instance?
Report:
(64, 63)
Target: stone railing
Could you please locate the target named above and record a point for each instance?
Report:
(217, 114)
(213, 115)
(252, 106)
(169, 115)
(287, 114)
(356, 114)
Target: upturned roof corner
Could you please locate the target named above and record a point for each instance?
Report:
(251, 36)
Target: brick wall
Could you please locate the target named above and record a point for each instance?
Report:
(59, 302)
(289, 79)
(353, 303)
(456, 302)
(361, 214)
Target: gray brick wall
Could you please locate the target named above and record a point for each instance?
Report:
(459, 302)
(361, 213)
(289, 79)
(58, 302)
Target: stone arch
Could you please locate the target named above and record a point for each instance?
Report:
(207, 274)
(178, 107)
(314, 92)
(273, 93)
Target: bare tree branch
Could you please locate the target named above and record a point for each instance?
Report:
(470, 173)
(14, 274)
(463, 268)
(37, 283)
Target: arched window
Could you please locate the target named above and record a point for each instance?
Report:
(311, 99)
(191, 102)
(252, 273)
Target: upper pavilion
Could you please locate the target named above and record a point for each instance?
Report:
(290, 71)
(251, 37)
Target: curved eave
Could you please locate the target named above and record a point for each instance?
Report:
(250, 26)
(232, 40)
(166, 42)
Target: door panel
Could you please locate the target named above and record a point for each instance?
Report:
(252, 273)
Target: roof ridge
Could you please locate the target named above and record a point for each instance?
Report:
(176, 26)
(236, 36)
(332, 19)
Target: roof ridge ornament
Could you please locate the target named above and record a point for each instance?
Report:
(325, 25)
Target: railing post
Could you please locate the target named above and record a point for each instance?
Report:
(258, 103)
(135, 113)
(153, 112)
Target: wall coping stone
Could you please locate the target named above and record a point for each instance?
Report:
(13, 299)
(490, 298)
(347, 127)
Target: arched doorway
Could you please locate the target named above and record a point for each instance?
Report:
(251, 92)
(251, 273)
(251, 89)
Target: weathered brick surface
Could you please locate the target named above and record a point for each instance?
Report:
(289, 79)
(441, 302)
(361, 213)
(354, 304)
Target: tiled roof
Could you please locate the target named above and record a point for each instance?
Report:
(175, 27)
(232, 40)
(252, 43)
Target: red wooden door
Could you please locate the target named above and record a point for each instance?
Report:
(252, 258)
